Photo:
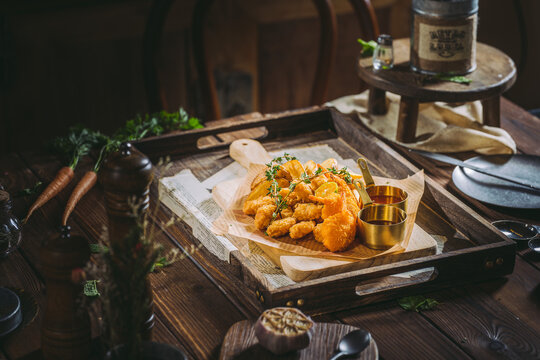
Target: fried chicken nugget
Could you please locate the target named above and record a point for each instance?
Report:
(287, 212)
(302, 191)
(307, 211)
(301, 229)
(280, 227)
(337, 232)
(251, 206)
(264, 216)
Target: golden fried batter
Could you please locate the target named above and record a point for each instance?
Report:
(251, 206)
(318, 181)
(280, 227)
(352, 203)
(264, 215)
(301, 229)
(307, 211)
(301, 192)
(337, 232)
(333, 204)
(287, 212)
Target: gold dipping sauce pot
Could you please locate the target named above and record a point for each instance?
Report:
(381, 226)
(382, 194)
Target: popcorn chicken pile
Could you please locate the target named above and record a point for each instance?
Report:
(295, 199)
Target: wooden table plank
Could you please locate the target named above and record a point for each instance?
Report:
(395, 330)
(482, 326)
(521, 125)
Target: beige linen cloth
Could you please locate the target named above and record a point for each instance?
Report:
(441, 127)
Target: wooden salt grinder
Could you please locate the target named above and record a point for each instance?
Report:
(126, 175)
(65, 331)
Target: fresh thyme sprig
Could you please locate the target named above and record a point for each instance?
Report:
(273, 167)
(274, 189)
(343, 173)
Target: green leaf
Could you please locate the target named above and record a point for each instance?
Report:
(368, 47)
(417, 303)
(30, 191)
(456, 79)
(449, 78)
(98, 248)
(90, 288)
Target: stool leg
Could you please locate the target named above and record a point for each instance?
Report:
(407, 119)
(377, 101)
(491, 111)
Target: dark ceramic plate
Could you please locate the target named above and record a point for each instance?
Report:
(10, 311)
(498, 192)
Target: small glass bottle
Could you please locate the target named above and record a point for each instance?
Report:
(10, 230)
(383, 56)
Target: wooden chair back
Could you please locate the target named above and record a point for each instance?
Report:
(327, 49)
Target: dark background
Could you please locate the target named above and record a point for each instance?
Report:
(67, 62)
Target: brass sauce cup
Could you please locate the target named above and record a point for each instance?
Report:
(381, 226)
(383, 194)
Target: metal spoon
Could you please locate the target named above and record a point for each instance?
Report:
(534, 244)
(353, 343)
(516, 230)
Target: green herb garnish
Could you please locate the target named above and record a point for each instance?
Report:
(90, 288)
(368, 47)
(343, 173)
(156, 124)
(30, 191)
(76, 144)
(417, 303)
(98, 248)
(450, 78)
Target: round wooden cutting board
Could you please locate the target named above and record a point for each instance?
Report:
(240, 343)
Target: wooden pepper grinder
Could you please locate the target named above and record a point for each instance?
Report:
(65, 331)
(126, 175)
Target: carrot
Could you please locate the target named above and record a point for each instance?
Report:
(85, 184)
(63, 177)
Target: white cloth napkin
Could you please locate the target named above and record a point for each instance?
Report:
(442, 127)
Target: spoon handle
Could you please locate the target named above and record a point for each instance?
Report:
(337, 356)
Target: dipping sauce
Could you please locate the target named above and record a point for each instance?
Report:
(381, 199)
(381, 222)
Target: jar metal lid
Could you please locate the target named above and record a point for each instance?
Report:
(445, 7)
(384, 39)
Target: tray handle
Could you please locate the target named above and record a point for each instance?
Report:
(342, 291)
(396, 281)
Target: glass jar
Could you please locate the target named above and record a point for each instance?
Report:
(383, 55)
(10, 230)
(443, 36)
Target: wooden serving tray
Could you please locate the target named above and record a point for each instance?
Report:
(470, 248)
(241, 343)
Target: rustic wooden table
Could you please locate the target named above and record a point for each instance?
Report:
(195, 306)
